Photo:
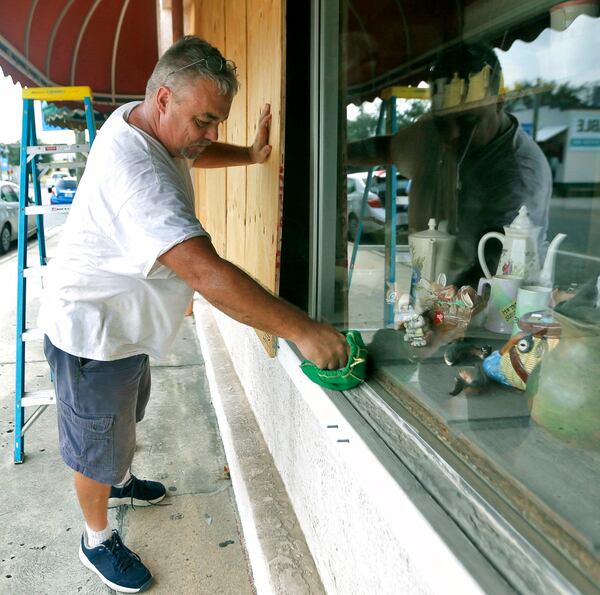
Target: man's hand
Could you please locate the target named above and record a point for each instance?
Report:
(260, 149)
(324, 346)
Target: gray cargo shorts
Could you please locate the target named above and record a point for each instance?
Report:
(98, 405)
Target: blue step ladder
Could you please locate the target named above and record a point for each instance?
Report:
(387, 119)
(31, 170)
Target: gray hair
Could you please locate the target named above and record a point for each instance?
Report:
(186, 60)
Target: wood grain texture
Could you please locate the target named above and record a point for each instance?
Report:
(265, 60)
(235, 49)
(265, 56)
(241, 207)
(210, 25)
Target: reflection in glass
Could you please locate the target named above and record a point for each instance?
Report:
(505, 147)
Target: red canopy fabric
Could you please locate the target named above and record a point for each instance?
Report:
(110, 45)
(391, 42)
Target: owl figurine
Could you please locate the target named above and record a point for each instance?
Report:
(517, 358)
(512, 364)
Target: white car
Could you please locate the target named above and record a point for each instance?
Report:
(374, 216)
(9, 216)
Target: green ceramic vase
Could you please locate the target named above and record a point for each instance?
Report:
(564, 390)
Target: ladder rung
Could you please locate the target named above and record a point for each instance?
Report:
(46, 209)
(39, 397)
(37, 271)
(46, 149)
(57, 164)
(32, 334)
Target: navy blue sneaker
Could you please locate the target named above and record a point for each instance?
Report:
(116, 565)
(137, 492)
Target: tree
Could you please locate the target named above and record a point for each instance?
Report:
(365, 124)
(551, 94)
(417, 107)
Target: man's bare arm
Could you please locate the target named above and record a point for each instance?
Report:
(370, 152)
(401, 149)
(232, 291)
(226, 155)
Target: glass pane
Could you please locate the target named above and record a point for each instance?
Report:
(477, 284)
(66, 185)
(9, 195)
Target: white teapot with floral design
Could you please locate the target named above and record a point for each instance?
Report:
(519, 256)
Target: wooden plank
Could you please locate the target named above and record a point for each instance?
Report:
(210, 25)
(266, 85)
(235, 49)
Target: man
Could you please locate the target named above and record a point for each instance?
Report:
(469, 162)
(131, 255)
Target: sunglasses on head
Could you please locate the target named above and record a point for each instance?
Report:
(214, 64)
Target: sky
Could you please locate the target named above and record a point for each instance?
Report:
(571, 56)
(11, 110)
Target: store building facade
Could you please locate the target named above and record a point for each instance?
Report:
(400, 485)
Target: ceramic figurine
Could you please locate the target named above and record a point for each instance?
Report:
(448, 305)
(459, 350)
(516, 359)
(416, 331)
(404, 311)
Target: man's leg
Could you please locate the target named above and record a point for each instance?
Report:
(96, 422)
(93, 500)
(131, 490)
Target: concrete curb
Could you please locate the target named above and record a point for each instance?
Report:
(279, 556)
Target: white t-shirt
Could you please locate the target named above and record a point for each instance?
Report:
(105, 295)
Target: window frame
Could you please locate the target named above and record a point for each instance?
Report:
(525, 543)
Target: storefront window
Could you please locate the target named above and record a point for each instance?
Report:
(468, 231)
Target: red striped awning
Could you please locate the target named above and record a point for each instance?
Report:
(110, 45)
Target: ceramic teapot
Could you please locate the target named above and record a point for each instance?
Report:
(519, 256)
(430, 252)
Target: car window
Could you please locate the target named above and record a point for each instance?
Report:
(66, 185)
(351, 186)
(9, 195)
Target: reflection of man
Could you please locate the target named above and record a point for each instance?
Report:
(469, 161)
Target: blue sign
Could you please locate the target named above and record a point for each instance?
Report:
(585, 142)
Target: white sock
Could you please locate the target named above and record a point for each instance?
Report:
(95, 538)
(124, 480)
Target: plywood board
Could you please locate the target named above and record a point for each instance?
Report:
(263, 209)
(210, 25)
(241, 207)
(264, 206)
(235, 49)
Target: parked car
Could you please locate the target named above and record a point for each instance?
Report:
(51, 180)
(9, 216)
(63, 191)
(374, 218)
(402, 190)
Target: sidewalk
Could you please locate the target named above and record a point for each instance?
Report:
(192, 544)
